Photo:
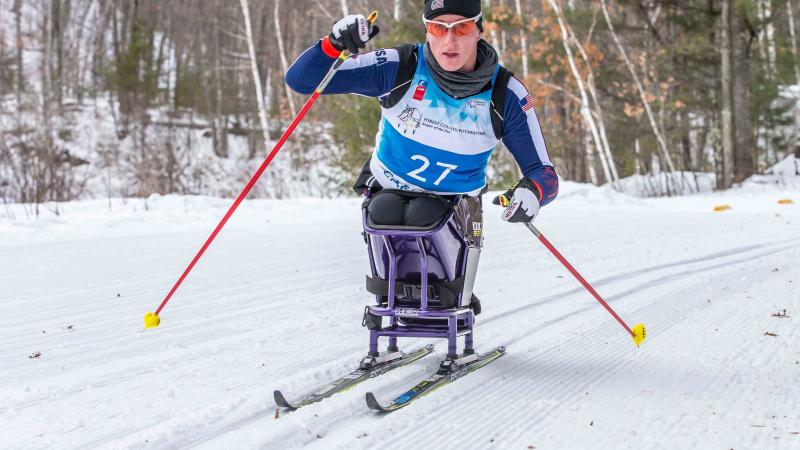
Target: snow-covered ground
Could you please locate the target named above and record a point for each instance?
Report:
(276, 303)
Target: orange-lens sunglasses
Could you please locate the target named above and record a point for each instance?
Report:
(460, 28)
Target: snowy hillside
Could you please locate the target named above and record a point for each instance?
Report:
(276, 303)
(785, 174)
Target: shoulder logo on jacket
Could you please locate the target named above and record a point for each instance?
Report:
(526, 103)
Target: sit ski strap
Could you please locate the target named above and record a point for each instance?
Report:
(405, 73)
(446, 291)
(499, 100)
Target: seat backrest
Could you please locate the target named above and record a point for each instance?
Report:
(432, 224)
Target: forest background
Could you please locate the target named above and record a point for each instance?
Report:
(129, 98)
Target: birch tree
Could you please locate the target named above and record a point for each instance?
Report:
(793, 41)
(662, 144)
(585, 109)
(523, 39)
(766, 36)
(725, 97)
(262, 110)
(20, 69)
(604, 148)
(796, 66)
(282, 53)
(493, 36)
(744, 147)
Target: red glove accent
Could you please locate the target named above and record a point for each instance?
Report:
(329, 49)
(541, 194)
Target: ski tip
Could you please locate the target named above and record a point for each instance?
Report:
(501, 349)
(281, 401)
(429, 347)
(372, 402)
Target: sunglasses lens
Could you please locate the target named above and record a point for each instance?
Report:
(436, 29)
(464, 28)
(459, 29)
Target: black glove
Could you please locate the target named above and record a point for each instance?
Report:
(352, 33)
(521, 201)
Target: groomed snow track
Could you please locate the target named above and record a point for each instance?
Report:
(276, 303)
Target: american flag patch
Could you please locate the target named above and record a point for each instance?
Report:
(526, 103)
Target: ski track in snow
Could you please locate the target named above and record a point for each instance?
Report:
(276, 304)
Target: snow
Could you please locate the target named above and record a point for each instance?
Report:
(784, 174)
(276, 303)
(113, 164)
(663, 183)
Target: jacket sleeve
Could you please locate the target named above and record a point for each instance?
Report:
(522, 135)
(371, 74)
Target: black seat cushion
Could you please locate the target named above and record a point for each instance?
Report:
(392, 208)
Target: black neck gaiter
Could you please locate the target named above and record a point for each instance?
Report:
(460, 84)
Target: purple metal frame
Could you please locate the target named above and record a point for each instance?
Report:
(393, 248)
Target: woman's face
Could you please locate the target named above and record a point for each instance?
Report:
(454, 52)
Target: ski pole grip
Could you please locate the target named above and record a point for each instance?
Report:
(343, 55)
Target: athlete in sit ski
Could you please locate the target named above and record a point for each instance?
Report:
(445, 104)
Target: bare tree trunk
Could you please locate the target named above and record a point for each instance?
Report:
(585, 109)
(220, 122)
(727, 107)
(604, 148)
(493, 35)
(345, 11)
(769, 32)
(587, 144)
(268, 89)
(523, 40)
(662, 144)
(398, 10)
(796, 66)
(262, 113)
(282, 52)
(643, 182)
(104, 13)
(81, 51)
(762, 47)
(766, 36)
(637, 151)
(20, 78)
(793, 41)
(45, 144)
(744, 145)
(56, 34)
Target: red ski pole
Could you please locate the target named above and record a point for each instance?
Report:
(638, 332)
(151, 319)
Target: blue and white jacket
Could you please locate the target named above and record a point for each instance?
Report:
(428, 140)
